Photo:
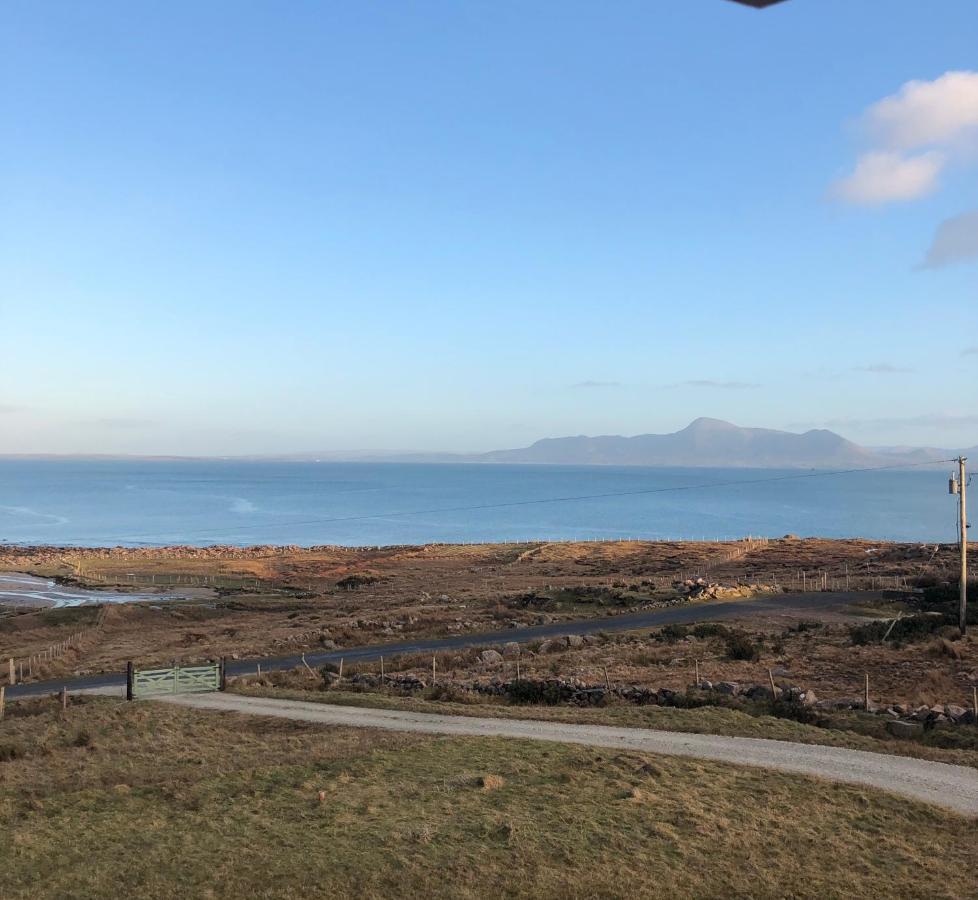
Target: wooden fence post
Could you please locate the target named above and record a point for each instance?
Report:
(223, 682)
(382, 668)
(3, 701)
(774, 690)
(13, 673)
(866, 694)
(433, 670)
(64, 697)
(130, 671)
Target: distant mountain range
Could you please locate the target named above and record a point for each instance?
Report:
(702, 443)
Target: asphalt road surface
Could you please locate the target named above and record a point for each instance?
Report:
(811, 604)
(952, 787)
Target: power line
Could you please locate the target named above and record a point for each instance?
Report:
(517, 503)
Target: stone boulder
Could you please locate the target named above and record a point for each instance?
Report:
(921, 714)
(490, 657)
(905, 730)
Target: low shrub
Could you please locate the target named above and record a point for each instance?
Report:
(908, 630)
(710, 629)
(352, 582)
(797, 712)
(672, 633)
(804, 625)
(529, 692)
(739, 646)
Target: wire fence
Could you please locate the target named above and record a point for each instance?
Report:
(174, 579)
(26, 667)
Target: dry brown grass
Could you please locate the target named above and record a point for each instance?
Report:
(440, 590)
(820, 658)
(162, 802)
(933, 686)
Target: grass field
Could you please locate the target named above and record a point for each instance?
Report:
(152, 801)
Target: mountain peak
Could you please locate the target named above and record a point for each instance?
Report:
(704, 423)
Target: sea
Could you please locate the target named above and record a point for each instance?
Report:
(200, 502)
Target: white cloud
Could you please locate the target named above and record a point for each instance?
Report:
(884, 176)
(915, 134)
(956, 240)
(927, 113)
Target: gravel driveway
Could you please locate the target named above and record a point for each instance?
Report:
(953, 787)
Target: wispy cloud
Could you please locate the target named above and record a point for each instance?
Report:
(970, 351)
(956, 240)
(883, 369)
(915, 134)
(710, 383)
(585, 385)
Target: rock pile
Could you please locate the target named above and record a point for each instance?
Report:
(701, 589)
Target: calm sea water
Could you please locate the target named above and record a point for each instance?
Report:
(88, 503)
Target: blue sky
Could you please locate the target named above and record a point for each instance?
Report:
(257, 227)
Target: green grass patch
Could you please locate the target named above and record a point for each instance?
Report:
(166, 802)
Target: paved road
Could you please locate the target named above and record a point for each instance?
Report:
(953, 787)
(812, 604)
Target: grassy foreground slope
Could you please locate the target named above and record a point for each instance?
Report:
(153, 801)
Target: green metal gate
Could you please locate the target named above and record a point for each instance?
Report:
(176, 680)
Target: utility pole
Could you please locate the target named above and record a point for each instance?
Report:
(960, 487)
